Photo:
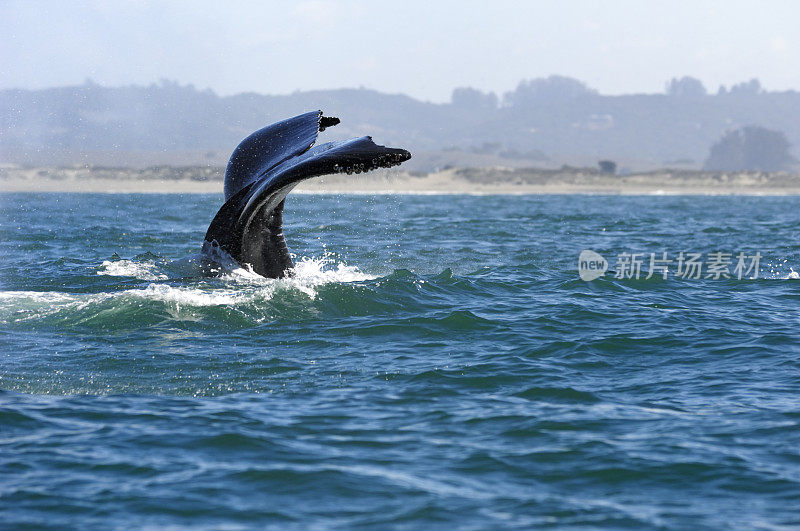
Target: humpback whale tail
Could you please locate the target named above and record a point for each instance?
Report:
(264, 168)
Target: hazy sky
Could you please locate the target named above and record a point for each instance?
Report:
(421, 48)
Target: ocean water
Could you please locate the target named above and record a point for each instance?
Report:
(436, 362)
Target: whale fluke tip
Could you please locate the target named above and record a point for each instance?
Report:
(327, 121)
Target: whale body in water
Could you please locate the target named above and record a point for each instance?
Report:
(263, 169)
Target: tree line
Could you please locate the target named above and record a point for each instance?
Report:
(552, 118)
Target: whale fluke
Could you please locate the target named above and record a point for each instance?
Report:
(264, 168)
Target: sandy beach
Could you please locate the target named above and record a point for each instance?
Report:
(201, 179)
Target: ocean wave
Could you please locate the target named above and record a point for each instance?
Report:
(129, 268)
(238, 288)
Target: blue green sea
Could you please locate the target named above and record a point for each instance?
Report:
(436, 362)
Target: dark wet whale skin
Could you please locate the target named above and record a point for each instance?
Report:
(264, 168)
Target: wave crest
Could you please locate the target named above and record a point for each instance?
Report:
(147, 270)
(175, 296)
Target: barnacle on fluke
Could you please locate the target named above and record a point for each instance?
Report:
(264, 168)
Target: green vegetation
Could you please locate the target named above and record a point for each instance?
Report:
(554, 119)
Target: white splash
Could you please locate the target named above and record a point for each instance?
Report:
(187, 296)
(32, 305)
(238, 287)
(245, 286)
(317, 270)
(777, 271)
(36, 297)
(129, 268)
(309, 273)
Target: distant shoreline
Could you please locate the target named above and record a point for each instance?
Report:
(473, 181)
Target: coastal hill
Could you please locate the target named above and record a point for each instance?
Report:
(544, 123)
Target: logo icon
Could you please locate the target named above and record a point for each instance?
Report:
(591, 265)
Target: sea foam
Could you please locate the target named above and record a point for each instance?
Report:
(129, 268)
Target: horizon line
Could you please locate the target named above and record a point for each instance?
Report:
(167, 82)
